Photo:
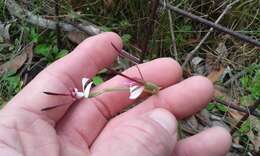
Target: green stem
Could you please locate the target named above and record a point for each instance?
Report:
(93, 94)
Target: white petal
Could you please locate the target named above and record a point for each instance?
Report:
(135, 91)
(87, 90)
(79, 95)
(84, 81)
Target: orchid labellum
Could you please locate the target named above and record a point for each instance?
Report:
(86, 86)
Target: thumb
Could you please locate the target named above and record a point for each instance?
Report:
(153, 133)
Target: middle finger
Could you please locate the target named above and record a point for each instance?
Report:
(90, 116)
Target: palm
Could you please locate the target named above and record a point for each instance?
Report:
(32, 136)
(83, 128)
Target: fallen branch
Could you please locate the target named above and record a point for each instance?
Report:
(26, 15)
(211, 24)
(15, 10)
(191, 54)
(245, 117)
(237, 107)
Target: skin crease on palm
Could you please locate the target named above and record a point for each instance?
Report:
(93, 126)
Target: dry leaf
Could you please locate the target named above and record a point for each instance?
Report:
(13, 64)
(220, 91)
(216, 74)
(236, 115)
(191, 124)
(29, 51)
(17, 62)
(77, 37)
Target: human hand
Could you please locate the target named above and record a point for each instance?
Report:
(92, 126)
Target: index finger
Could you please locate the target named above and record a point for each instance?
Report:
(85, 60)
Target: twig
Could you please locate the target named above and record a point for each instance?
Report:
(191, 54)
(172, 35)
(58, 25)
(211, 24)
(245, 117)
(148, 29)
(15, 10)
(236, 107)
(238, 75)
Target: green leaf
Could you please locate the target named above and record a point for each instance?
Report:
(255, 88)
(1, 102)
(245, 81)
(126, 38)
(43, 50)
(34, 36)
(106, 29)
(97, 80)
(211, 106)
(246, 127)
(124, 24)
(14, 83)
(186, 28)
(10, 73)
(10, 85)
(258, 107)
(222, 108)
(61, 54)
(247, 100)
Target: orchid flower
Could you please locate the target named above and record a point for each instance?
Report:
(86, 86)
(135, 91)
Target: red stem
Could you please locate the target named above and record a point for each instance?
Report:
(130, 78)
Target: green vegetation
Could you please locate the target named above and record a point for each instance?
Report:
(251, 81)
(11, 84)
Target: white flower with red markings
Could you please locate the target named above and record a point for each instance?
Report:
(135, 91)
(86, 87)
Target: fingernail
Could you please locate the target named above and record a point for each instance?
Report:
(164, 119)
